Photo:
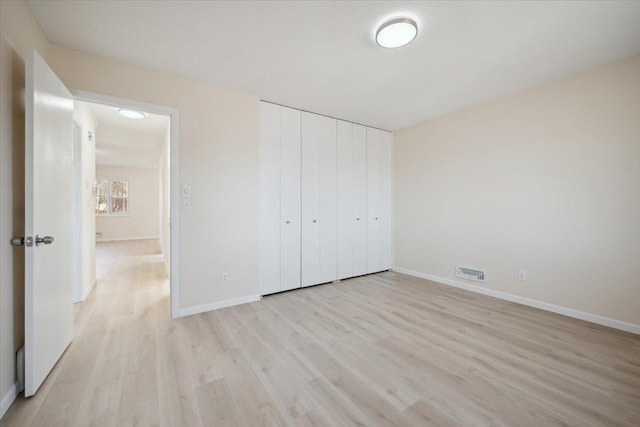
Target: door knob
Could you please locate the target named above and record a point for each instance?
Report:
(315, 220)
(19, 241)
(376, 218)
(288, 222)
(46, 240)
(357, 219)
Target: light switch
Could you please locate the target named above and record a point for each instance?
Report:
(186, 191)
(186, 203)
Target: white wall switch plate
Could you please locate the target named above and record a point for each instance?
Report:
(186, 203)
(186, 191)
(522, 275)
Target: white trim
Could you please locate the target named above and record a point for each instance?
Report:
(121, 239)
(570, 312)
(174, 167)
(217, 305)
(8, 399)
(115, 164)
(91, 287)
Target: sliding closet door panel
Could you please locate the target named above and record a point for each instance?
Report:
(310, 181)
(359, 200)
(290, 198)
(269, 135)
(346, 193)
(386, 202)
(373, 200)
(328, 201)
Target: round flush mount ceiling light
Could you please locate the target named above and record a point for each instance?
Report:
(396, 32)
(131, 114)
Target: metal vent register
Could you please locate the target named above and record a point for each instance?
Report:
(471, 274)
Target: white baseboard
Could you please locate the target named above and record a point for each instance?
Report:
(8, 399)
(593, 318)
(91, 287)
(123, 239)
(217, 305)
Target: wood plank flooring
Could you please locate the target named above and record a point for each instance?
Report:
(380, 350)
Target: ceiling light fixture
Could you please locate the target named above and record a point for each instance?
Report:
(396, 32)
(131, 114)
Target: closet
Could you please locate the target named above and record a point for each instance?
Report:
(319, 200)
(279, 198)
(352, 200)
(379, 221)
(325, 199)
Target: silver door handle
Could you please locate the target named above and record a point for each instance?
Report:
(315, 220)
(288, 222)
(19, 241)
(357, 219)
(46, 240)
(376, 218)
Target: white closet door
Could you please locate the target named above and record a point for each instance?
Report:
(359, 200)
(319, 200)
(346, 193)
(269, 134)
(328, 201)
(310, 180)
(289, 198)
(386, 202)
(373, 200)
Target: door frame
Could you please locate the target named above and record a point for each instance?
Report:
(174, 185)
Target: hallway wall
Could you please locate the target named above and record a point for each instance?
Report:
(85, 119)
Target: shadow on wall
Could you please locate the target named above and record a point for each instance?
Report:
(17, 156)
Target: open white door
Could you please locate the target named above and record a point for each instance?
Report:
(48, 221)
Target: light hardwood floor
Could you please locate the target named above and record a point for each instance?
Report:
(381, 350)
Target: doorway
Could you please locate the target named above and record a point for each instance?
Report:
(127, 185)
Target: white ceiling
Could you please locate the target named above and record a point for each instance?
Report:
(124, 141)
(321, 56)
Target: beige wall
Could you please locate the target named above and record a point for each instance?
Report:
(143, 219)
(546, 181)
(18, 31)
(218, 157)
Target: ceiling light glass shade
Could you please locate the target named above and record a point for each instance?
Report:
(132, 114)
(396, 32)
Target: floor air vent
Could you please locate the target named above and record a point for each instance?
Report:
(471, 274)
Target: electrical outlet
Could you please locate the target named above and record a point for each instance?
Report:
(522, 275)
(225, 277)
